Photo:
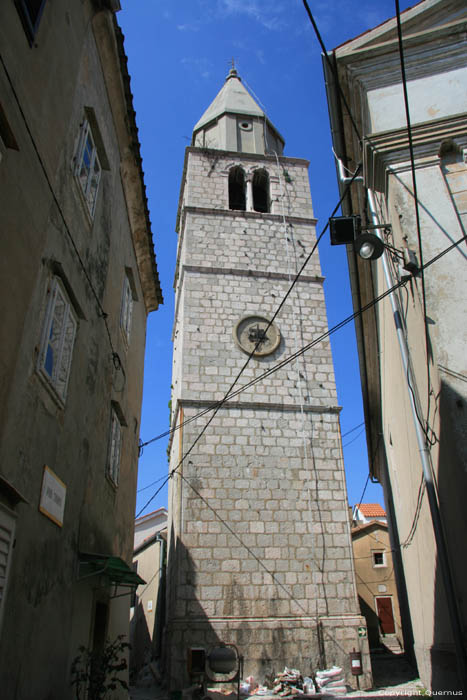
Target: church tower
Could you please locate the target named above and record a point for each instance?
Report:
(259, 551)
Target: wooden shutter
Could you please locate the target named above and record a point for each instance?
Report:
(7, 537)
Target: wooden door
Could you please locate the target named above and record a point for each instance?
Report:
(385, 615)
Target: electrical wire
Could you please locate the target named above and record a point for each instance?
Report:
(362, 496)
(416, 202)
(304, 349)
(215, 406)
(418, 508)
(333, 70)
(145, 488)
(353, 439)
(102, 314)
(259, 561)
(352, 429)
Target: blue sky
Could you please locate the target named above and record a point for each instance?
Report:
(179, 54)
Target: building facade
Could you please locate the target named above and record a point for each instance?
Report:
(78, 279)
(147, 614)
(259, 550)
(376, 585)
(412, 344)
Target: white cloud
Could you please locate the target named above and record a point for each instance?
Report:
(194, 27)
(201, 66)
(269, 16)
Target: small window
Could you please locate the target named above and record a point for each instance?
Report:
(126, 310)
(261, 191)
(30, 12)
(87, 166)
(115, 446)
(7, 538)
(379, 559)
(237, 196)
(58, 337)
(246, 125)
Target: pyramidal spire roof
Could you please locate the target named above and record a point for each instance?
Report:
(235, 122)
(233, 98)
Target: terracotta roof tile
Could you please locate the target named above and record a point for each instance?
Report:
(372, 510)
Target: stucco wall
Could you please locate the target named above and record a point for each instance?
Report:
(48, 613)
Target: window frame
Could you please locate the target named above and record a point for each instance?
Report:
(261, 188)
(383, 554)
(126, 308)
(114, 451)
(61, 364)
(8, 525)
(235, 188)
(86, 134)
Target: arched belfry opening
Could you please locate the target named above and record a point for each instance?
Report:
(237, 189)
(261, 191)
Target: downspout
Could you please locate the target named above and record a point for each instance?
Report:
(427, 466)
(425, 454)
(160, 609)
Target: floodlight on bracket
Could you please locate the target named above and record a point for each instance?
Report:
(368, 245)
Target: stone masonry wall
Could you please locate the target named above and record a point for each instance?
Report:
(259, 542)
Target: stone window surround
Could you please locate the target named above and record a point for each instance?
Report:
(57, 379)
(89, 133)
(114, 453)
(249, 175)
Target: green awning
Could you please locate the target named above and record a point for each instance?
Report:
(114, 568)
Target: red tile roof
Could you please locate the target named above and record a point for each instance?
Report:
(372, 510)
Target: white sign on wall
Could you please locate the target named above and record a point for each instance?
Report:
(53, 494)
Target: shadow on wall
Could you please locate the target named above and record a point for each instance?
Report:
(187, 622)
(146, 643)
(372, 623)
(140, 652)
(452, 487)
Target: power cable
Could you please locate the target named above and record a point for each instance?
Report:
(418, 508)
(363, 494)
(259, 561)
(231, 394)
(333, 70)
(145, 488)
(353, 439)
(416, 200)
(102, 314)
(215, 406)
(352, 429)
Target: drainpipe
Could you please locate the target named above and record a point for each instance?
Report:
(338, 139)
(427, 466)
(343, 178)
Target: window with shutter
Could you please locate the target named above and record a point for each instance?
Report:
(126, 311)
(115, 445)
(58, 337)
(88, 167)
(7, 535)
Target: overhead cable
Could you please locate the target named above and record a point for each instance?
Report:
(304, 349)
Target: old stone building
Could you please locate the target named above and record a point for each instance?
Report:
(412, 345)
(78, 279)
(376, 582)
(259, 550)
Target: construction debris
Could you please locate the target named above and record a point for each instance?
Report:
(331, 681)
(290, 683)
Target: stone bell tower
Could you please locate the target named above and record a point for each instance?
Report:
(259, 543)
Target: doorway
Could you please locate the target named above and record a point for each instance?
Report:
(385, 615)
